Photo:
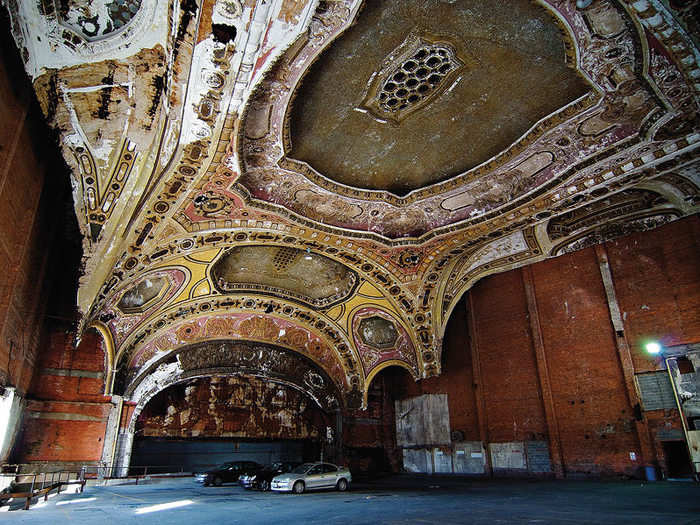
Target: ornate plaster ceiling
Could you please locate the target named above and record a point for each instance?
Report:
(217, 144)
(473, 77)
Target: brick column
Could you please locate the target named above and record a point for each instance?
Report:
(478, 384)
(543, 374)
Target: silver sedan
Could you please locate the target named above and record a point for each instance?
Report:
(310, 476)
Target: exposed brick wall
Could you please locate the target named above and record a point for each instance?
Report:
(658, 286)
(596, 421)
(66, 419)
(369, 436)
(655, 277)
(67, 373)
(63, 432)
(456, 379)
(23, 230)
(513, 406)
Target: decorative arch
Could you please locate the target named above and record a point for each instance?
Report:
(227, 358)
(381, 368)
(333, 354)
(108, 340)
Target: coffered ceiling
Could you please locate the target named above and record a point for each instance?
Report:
(328, 178)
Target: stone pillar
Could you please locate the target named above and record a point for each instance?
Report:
(111, 438)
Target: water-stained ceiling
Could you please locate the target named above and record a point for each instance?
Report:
(327, 178)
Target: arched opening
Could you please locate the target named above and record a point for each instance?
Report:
(202, 422)
(225, 396)
(370, 435)
(429, 425)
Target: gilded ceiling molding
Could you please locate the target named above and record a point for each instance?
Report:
(109, 349)
(224, 72)
(620, 214)
(617, 59)
(461, 273)
(381, 267)
(657, 19)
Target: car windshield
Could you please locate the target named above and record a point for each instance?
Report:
(301, 469)
(223, 466)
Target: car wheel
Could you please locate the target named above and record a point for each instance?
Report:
(342, 485)
(217, 481)
(206, 483)
(264, 485)
(298, 487)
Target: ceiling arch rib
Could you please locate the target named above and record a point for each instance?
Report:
(335, 356)
(216, 358)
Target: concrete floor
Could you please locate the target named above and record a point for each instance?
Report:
(398, 499)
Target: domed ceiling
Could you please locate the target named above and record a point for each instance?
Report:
(417, 92)
(327, 178)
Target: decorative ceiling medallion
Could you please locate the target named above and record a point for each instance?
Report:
(412, 76)
(146, 293)
(378, 332)
(211, 204)
(283, 271)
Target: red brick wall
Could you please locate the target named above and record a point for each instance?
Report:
(658, 286)
(595, 418)
(513, 406)
(456, 379)
(66, 420)
(655, 277)
(23, 231)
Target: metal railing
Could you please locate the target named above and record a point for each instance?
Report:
(33, 485)
(135, 472)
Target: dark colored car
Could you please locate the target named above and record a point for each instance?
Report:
(227, 473)
(261, 478)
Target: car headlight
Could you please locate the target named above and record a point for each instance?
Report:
(253, 477)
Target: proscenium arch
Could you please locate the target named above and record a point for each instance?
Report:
(330, 416)
(166, 373)
(348, 361)
(266, 361)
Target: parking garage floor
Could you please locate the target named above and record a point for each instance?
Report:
(393, 500)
